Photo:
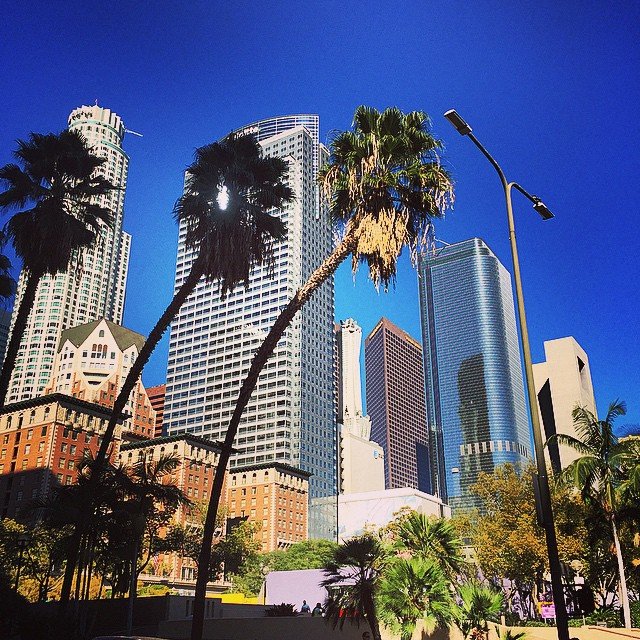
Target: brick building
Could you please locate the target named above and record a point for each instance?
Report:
(156, 397)
(275, 495)
(41, 440)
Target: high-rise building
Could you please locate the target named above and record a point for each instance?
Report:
(156, 397)
(5, 323)
(290, 417)
(395, 402)
(94, 286)
(92, 362)
(474, 391)
(562, 381)
(361, 460)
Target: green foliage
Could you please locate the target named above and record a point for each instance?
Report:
(282, 610)
(479, 605)
(508, 634)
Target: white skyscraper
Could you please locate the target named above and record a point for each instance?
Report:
(291, 414)
(361, 460)
(95, 287)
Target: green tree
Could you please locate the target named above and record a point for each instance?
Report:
(479, 604)
(225, 210)
(353, 579)
(384, 185)
(53, 193)
(414, 589)
(600, 472)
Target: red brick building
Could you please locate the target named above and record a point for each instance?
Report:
(156, 397)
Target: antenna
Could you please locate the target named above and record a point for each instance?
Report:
(135, 133)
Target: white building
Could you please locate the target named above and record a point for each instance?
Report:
(95, 286)
(291, 414)
(562, 381)
(361, 460)
(361, 512)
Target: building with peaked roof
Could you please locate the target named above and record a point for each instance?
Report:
(41, 441)
(91, 363)
(94, 285)
(275, 496)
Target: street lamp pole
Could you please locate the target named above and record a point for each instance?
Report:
(543, 494)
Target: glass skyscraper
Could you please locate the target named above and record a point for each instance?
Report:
(475, 401)
(291, 414)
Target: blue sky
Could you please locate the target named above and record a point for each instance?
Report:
(550, 87)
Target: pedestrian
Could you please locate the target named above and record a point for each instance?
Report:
(305, 608)
(317, 610)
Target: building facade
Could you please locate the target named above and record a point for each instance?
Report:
(562, 381)
(5, 323)
(290, 417)
(395, 402)
(41, 442)
(276, 497)
(361, 460)
(156, 397)
(92, 362)
(94, 286)
(474, 391)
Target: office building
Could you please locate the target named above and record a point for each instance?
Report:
(41, 442)
(361, 460)
(92, 361)
(562, 381)
(473, 376)
(94, 286)
(395, 403)
(290, 417)
(276, 497)
(156, 397)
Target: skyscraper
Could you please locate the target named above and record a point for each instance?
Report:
(395, 403)
(562, 381)
(361, 460)
(291, 414)
(94, 287)
(473, 377)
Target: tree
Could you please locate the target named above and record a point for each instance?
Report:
(384, 185)
(430, 538)
(229, 192)
(414, 589)
(53, 194)
(600, 472)
(352, 578)
(7, 283)
(479, 605)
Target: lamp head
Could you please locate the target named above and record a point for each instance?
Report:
(542, 209)
(461, 126)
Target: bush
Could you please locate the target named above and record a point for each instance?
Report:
(282, 610)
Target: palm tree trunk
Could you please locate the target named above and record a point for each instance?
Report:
(624, 594)
(262, 355)
(20, 325)
(134, 373)
(370, 613)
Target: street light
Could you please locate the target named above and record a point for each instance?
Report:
(22, 542)
(543, 495)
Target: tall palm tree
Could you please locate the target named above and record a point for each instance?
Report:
(53, 193)
(353, 580)
(414, 589)
(230, 190)
(433, 539)
(600, 472)
(384, 185)
(479, 604)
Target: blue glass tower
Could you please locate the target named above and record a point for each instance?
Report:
(473, 377)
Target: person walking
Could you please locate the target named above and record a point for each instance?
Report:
(305, 608)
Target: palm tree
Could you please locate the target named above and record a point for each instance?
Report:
(432, 539)
(353, 579)
(7, 283)
(479, 604)
(229, 192)
(53, 193)
(600, 473)
(384, 185)
(414, 589)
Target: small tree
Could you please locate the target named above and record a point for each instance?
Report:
(479, 604)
